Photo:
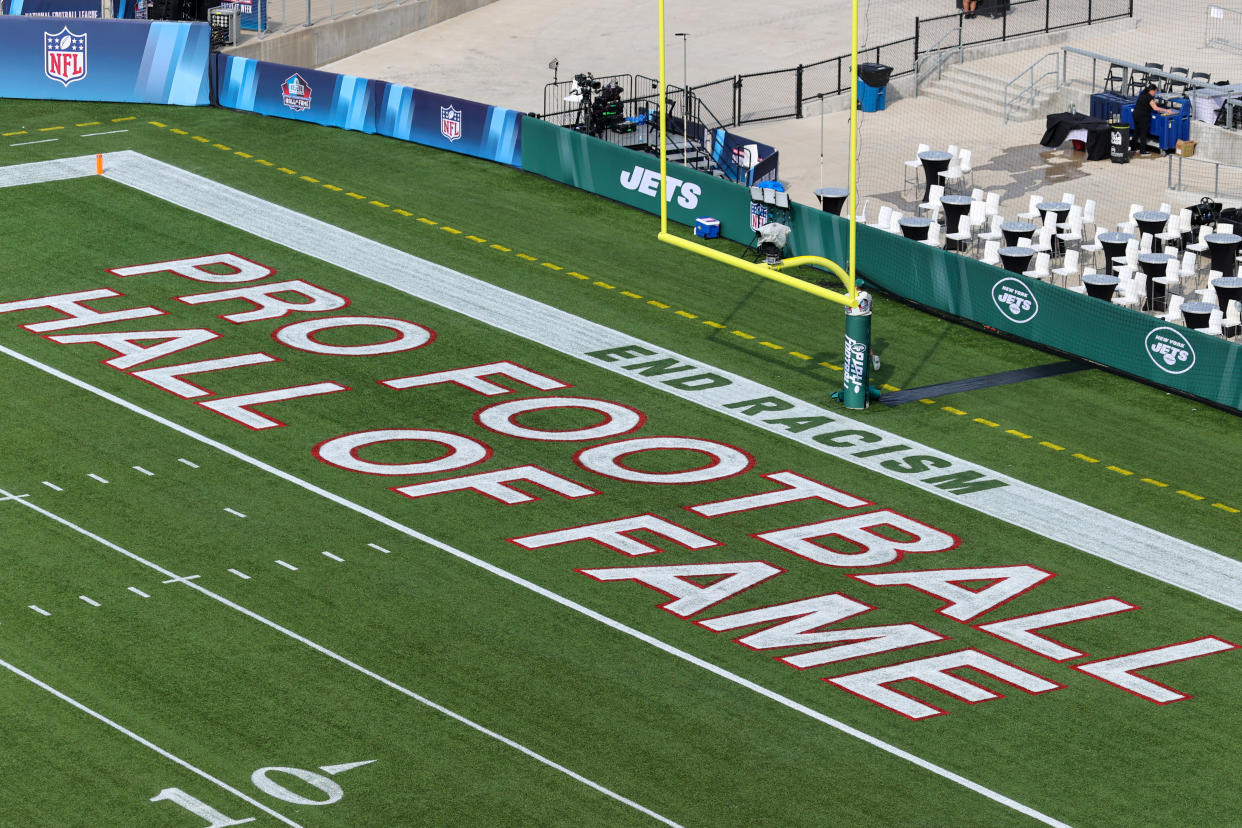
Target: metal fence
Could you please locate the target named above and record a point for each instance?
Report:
(783, 93)
(1196, 175)
(1222, 28)
(284, 15)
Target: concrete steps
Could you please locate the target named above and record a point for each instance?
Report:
(985, 92)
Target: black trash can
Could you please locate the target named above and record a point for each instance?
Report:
(873, 86)
(1119, 144)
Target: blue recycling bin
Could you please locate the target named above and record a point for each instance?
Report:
(873, 86)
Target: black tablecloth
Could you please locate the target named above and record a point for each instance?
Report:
(990, 8)
(1061, 123)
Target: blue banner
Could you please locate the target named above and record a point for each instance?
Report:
(253, 13)
(372, 106)
(71, 9)
(325, 98)
(105, 60)
(454, 124)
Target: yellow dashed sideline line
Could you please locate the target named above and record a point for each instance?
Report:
(11, 134)
(126, 118)
(50, 129)
(264, 163)
(97, 123)
(333, 188)
(662, 306)
(242, 154)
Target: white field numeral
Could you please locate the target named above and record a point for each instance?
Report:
(214, 818)
(262, 779)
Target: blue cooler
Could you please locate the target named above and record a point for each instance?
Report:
(707, 228)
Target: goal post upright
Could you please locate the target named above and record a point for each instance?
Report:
(852, 299)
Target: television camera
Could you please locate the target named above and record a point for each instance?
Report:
(599, 105)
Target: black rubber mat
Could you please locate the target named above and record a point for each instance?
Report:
(1052, 369)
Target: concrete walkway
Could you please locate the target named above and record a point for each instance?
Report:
(499, 54)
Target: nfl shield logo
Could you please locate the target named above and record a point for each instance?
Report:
(64, 56)
(758, 215)
(450, 122)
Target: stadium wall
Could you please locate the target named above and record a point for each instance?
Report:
(1127, 341)
(160, 62)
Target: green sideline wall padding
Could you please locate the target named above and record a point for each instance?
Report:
(606, 169)
(1128, 341)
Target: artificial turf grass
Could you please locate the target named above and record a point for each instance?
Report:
(946, 512)
(606, 241)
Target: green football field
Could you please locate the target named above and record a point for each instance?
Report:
(347, 482)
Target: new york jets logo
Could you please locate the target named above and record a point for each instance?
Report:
(1014, 300)
(1170, 350)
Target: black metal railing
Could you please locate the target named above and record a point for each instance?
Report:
(784, 93)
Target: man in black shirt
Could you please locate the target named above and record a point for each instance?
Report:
(1143, 108)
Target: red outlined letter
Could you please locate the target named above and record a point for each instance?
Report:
(796, 488)
(471, 378)
(1119, 671)
(237, 408)
(1008, 582)
(169, 376)
(676, 581)
(501, 418)
(244, 270)
(408, 336)
(605, 460)
(70, 304)
(872, 548)
(1020, 630)
(493, 485)
(807, 618)
(342, 451)
(614, 535)
(934, 672)
(268, 305)
(129, 353)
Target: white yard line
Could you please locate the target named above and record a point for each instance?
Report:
(457, 717)
(146, 743)
(1123, 542)
(502, 573)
